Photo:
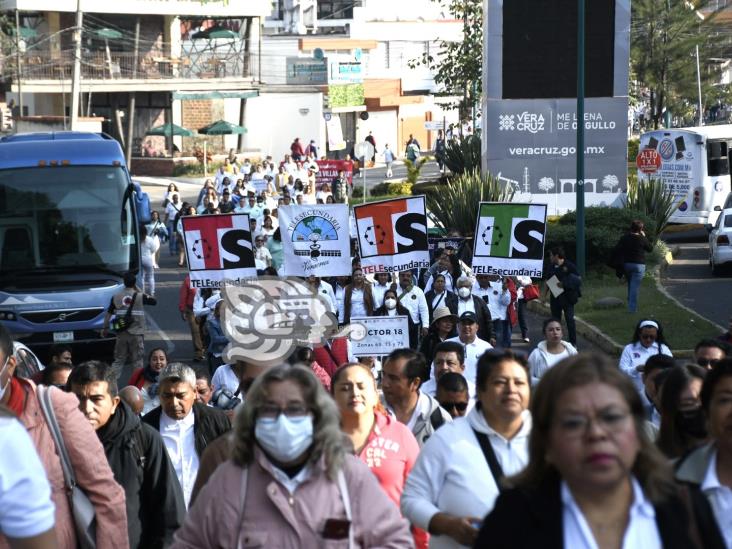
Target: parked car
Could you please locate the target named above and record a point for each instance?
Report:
(720, 234)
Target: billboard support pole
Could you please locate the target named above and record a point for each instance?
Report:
(580, 186)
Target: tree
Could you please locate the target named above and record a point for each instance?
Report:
(610, 182)
(546, 184)
(664, 37)
(458, 66)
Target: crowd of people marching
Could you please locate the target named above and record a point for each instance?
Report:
(455, 441)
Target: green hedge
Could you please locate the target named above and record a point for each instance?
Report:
(633, 145)
(401, 188)
(603, 227)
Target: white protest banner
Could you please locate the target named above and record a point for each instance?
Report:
(384, 334)
(259, 185)
(509, 239)
(315, 240)
(218, 249)
(392, 235)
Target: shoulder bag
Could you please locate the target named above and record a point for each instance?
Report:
(121, 324)
(531, 292)
(491, 459)
(82, 508)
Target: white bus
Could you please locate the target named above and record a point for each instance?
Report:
(695, 165)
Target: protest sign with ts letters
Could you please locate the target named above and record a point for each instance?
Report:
(509, 239)
(392, 235)
(218, 249)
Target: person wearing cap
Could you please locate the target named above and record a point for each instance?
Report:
(647, 341)
(449, 357)
(441, 329)
(474, 346)
(468, 301)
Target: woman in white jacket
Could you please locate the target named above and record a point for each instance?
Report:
(550, 351)
(149, 245)
(454, 483)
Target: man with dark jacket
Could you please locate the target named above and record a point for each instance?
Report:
(186, 426)
(136, 455)
(570, 285)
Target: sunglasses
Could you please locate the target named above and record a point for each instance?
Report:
(459, 406)
(707, 362)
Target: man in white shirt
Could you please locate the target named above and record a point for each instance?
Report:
(186, 426)
(413, 299)
(401, 377)
(449, 357)
(474, 346)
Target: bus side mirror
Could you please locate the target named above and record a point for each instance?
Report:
(717, 208)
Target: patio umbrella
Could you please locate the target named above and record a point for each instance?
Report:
(214, 32)
(169, 130)
(222, 127)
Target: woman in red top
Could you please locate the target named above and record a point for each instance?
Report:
(385, 445)
(146, 379)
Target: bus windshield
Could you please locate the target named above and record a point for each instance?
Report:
(72, 218)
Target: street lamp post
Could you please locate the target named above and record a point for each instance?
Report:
(580, 187)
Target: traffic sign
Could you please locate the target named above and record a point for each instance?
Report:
(648, 161)
(434, 125)
(365, 150)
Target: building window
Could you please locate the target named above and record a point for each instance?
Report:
(336, 9)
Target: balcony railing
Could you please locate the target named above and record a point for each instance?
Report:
(125, 65)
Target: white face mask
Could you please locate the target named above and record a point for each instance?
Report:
(2, 371)
(464, 292)
(390, 303)
(285, 438)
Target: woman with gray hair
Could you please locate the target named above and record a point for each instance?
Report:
(295, 481)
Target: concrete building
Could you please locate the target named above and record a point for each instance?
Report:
(356, 56)
(177, 61)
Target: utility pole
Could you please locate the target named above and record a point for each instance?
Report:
(698, 88)
(17, 59)
(132, 99)
(76, 75)
(580, 186)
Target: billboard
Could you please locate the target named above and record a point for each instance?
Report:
(529, 107)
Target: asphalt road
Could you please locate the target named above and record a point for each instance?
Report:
(689, 279)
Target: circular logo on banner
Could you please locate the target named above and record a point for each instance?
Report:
(314, 228)
(201, 249)
(372, 235)
(666, 149)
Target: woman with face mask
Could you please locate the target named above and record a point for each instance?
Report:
(683, 425)
(393, 307)
(291, 480)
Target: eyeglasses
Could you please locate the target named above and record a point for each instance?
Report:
(459, 406)
(612, 422)
(707, 362)
(273, 412)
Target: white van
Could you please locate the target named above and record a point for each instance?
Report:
(695, 165)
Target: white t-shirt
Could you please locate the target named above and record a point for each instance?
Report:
(26, 509)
